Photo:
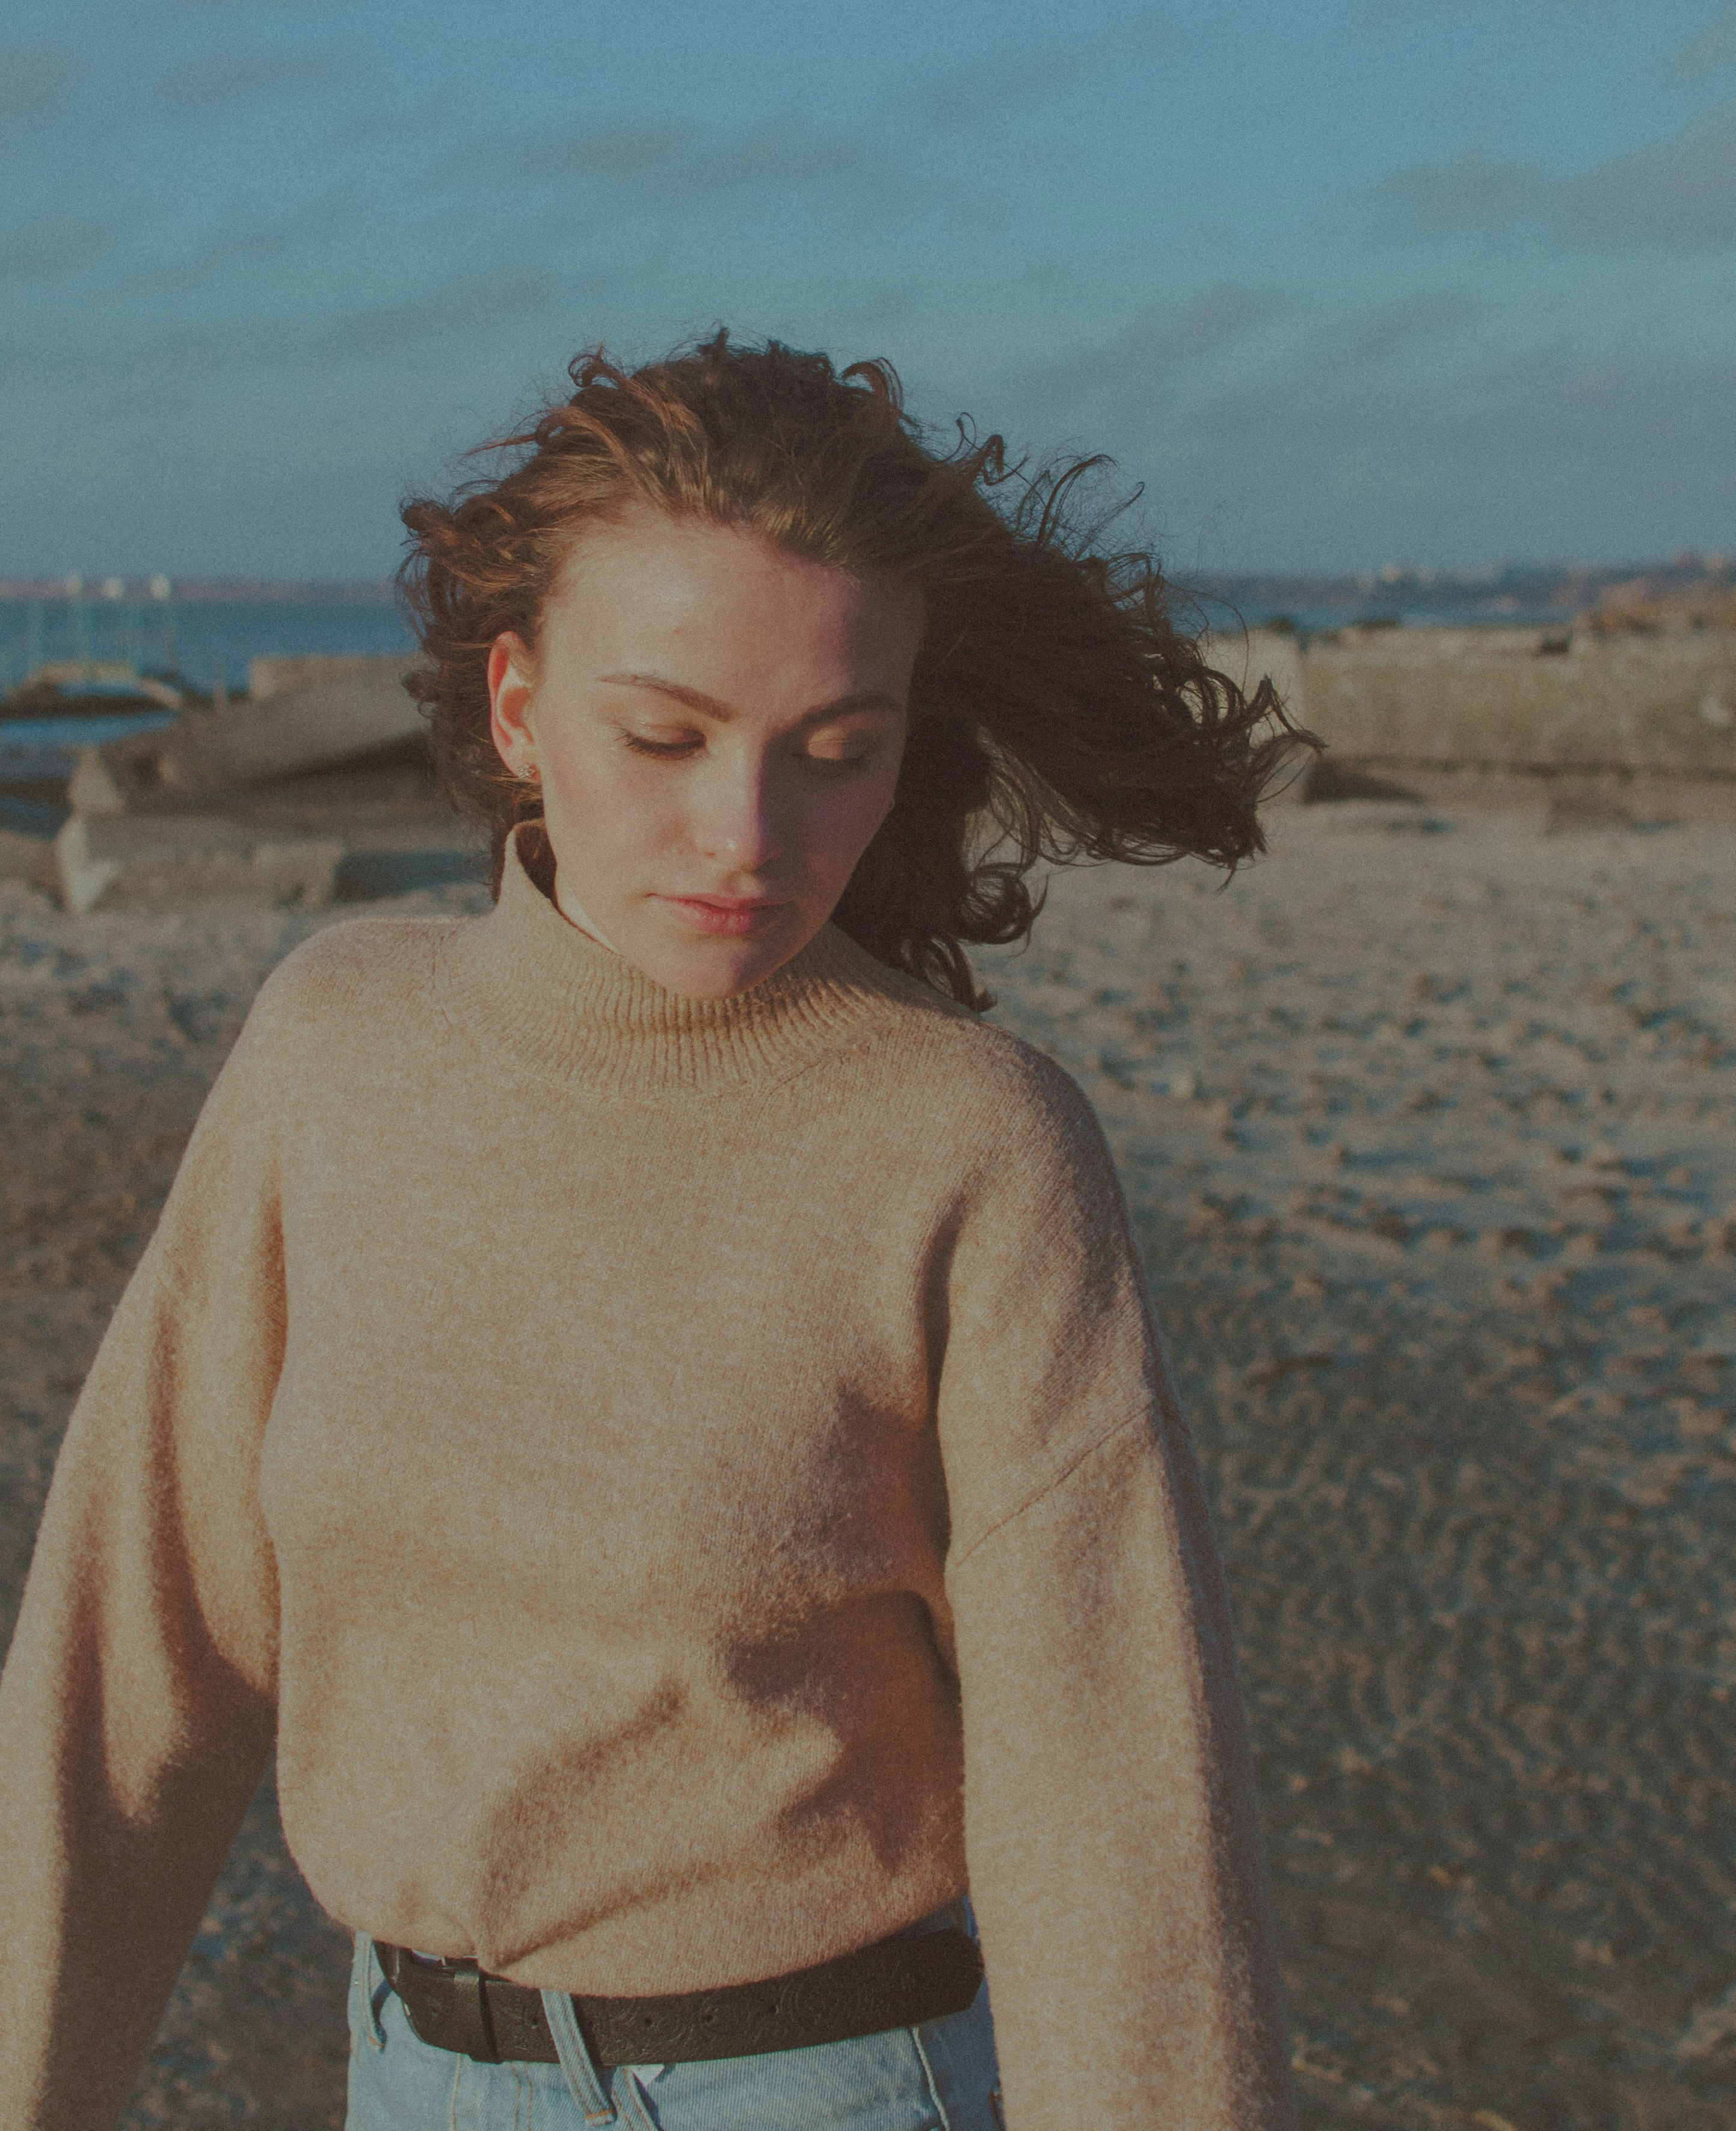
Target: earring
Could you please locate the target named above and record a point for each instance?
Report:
(528, 771)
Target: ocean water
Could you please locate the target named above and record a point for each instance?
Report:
(78, 732)
(204, 640)
(46, 751)
(208, 640)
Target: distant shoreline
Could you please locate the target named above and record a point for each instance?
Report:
(212, 591)
(1511, 593)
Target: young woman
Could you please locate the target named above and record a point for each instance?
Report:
(646, 1400)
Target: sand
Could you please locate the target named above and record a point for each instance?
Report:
(1427, 1123)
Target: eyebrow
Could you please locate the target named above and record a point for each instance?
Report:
(696, 699)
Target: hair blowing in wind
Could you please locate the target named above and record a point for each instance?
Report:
(1058, 714)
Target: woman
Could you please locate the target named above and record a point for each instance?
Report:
(646, 1400)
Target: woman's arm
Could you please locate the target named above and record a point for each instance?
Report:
(136, 1704)
(1110, 1830)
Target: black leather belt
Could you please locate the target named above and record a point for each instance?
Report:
(899, 1982)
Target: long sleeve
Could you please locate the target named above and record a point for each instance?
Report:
(137, 1703)
(678, 1410)
(1111, 1829)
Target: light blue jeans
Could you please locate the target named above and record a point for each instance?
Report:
(940, 2076)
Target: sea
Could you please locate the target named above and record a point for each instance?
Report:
(204, 641)
(208, 644)
(211, 641)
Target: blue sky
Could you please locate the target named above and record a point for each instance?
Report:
(1341, 281)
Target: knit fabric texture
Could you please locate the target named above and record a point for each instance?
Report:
(686, 1486)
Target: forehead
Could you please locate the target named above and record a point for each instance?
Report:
(719, 592)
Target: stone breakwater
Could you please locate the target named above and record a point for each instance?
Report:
(1516, 717)
(1426, 1126)
(317, 789)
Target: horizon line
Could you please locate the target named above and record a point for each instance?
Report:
(1388, 576)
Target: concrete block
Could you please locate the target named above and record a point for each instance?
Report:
(94, 787)
(269, 677)
(28, 858)
(1253, 655)
(1327, 781)
(164, 861)
(343, 718)
(71, 676)
(1573, 805)
(1524, 700)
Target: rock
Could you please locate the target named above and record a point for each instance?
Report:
(1355, 814)
(265, 859)
(1327, 780)
(162, 861)
(357, 713)
(1583, 806)
(27, 859)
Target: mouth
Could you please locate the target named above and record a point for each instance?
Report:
(730, 916)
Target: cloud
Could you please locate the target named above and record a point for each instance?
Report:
(411, 122)
(788, 153)
(1213, 322)
(981, 92)
(625, 150)
(1674, 195)
(1403, 12)
(1151, 354)
(1375, 433)
(1388, 336)
(1003, 81)
(657, 164)
(255, 241)
(456, 310)
(460, 318)
(50, 247)
(1181, 392)
(227, 81)
(1238, 360)
(1711, 50)
(1637, 426)
(1458, 195)
(34, 79)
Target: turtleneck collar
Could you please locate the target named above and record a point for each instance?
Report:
(526, 978)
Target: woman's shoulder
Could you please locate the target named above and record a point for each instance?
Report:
(364, 971)
(952, 1063)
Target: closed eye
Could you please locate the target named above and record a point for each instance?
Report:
(660, 747)
(668, 750)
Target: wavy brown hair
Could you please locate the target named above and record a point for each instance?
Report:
(1058, 714)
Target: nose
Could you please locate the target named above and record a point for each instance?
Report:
(736, 814)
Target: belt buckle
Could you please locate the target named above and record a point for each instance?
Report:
(454, 2016)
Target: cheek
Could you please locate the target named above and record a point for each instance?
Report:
(614, 801)
(841, 823)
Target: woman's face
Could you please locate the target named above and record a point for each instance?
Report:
(717, 725)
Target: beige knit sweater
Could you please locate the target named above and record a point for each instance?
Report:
(688, 1485)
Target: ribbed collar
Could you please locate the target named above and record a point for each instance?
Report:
(526, 979)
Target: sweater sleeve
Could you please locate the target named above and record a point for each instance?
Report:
(137, 1700)
(1111, 1829)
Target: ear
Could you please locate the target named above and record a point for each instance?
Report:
(511, 687)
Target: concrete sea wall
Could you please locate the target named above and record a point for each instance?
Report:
(1498, 713)
(275, 800)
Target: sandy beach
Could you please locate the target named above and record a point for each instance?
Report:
(1428, 1122)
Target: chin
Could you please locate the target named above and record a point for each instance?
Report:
(716, 969)
(704, 978)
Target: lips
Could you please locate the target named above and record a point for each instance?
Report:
(728, 917)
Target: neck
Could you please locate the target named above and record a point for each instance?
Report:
(531, 982)
(575, 913)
